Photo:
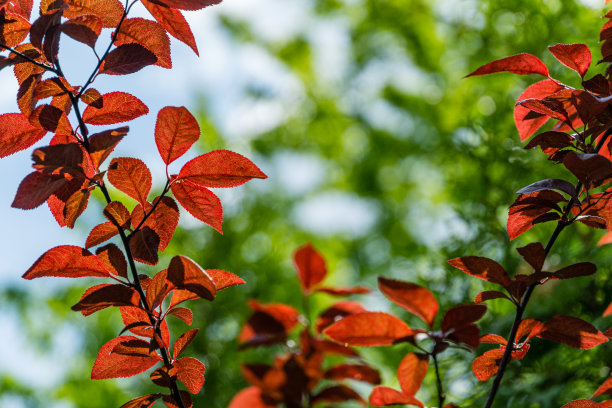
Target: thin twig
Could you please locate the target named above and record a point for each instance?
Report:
(441, 395)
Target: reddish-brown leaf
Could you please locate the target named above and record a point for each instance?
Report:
(190, 372)
(572, 331)
(310, 266)
(527, 125)
(112, 365)
(85, 29)
(36, 188)
(16, 133)
(142, 402)
(414, 298)
(101, 233)
(67, 261)
(488, 295)
(148, 34)
(187, 4)
(493, 339)
(139, 323)
(575, 270)
(483, 268)
(102, 144)
(116, 213)
(357, 372)
(127, 59)
(551, 109)
(109, 11)
(176, 130)
(74, 207)
(336, 312)
(144, 244)
(411, 372)
(21, 7)
(370, 329)
(250, 397)
(51, 119)
(525, 328)
(384, 396)
(485, 366)
(220, 168)
(171, 403)
(130, 176)
(582, 403)
(158, 289)
(343, 290)
(182, 342)
(269, 324)
(186, 274)
(105, 295)
(337, 394)
(522, 64)
(163, 220)
(164, 376)
(114, 260)
(25, 93)
(462, 315)
(224, 279)
(574, 56)
(200, 202)
(534, 254)
(117, 107)
(605, 388)
(591, 169)
(173, 22)
(52, 87)
(182, 313)
(13, 28)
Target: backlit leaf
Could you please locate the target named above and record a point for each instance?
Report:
(176, 130)
(574, 56)
(582, 403)
(224, 279)
(462, 315)
(522, 64)
(187, 4)
(534, 254)
(183, 341)
(200, 202)
(575, 270)
(163, 220)
(14, 28)
(336, 312)
(116, 213)
(148, 34)
(114, 260)
(142, 402)
(144, 244)
(52, 87)
(127, 59)
(337, 394)
(101, 233)
(67, 261)
(173, 22)
(186, 315)
(112, 365)
(550, 184)
(109, 11)
(16, 133)
(310, 266)
(51, 119)
(483, 268)
(102, 144)
(357, 372)
(130, 176)
(370, 329)
(117, 107)
(605, 388)
(385, 396)
(591, 169)
(526, 125)
(105, 295)
(485, 366)
(85, 29)
(411, 372)
(488, 295)
(190, 372)
(184, 273)
(250, 397)
(412, 297)
(35, 189)
(572, 331)
(220, 168)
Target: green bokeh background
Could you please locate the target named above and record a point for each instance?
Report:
(435, 157)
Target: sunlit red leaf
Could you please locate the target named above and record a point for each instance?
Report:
(101, 233)
(582, 403)
(186, 315)
(336, 312)
(370, 329)
(176, 130)
(572, 331)
(591, 169)
(483, 268)
(186, 274)
(100, 297)
(525, 328)
(22, 7)
(116, 213)
(605, 239)
(411, 372)
(343, 290)
(35, 189)
(14, 28)
(337, 394)
(113, 259)
(52, 87)
(142, 402)
(310, 266)
(112, 365)
(220, 168)
(224, 279)
(164, 376)
(522, 64)
(148, 34)
(384, 396)
(187, 4)
(139, 323)
(16, 133)
(462, 315)
(25, 93)
(485, 366)
(144, 244)
(171, 403)
(130, 176)
(249, 398)
(528, 209)
(269, 324)
(75, 205)
(109, 11)
(526, 124)
(574, 56)
(357, 372)
(190, 372)
(534, 254)
(93, 98)
(608, 310)
(117, 107)
(488, 295)
(67, 261)
(127, 59)
(173, 22)
(605, 388)
(182, 342)
(493, 339)
(85, 29)
(51, 119)
(102, 144)
(200, 202)
(549, 108)
(163, 220)
(158, 289)
(414, 298)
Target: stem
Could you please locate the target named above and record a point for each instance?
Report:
(441, 395)
(523, 305)
(25, 57)
(147, 215)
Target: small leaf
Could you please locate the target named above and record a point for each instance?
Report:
(357, 372)
(190, 372)
(148, 34)
(109, 11)
(100, 297)
(461, 316)
(111, 365)
(67, 261)
(483, 268)
(131, 176)
(176, 130)
(488, 295)
(117, 107)
(182, 313)
(574, 56)
(575, 270)
(163, 220)
(114, 260)
(173, 22)
(187, 4)
(605, 388)
(142, 402)
(550, 108)
(522, 64)
(343, 291)
(485, 366)
(127, 59)
(337, 394)
(224, 279)
(412, 297)
(116, 213)
(200, 202)
(85, 29)
(101, 233)
(384, 396)
(526, 124)
(16, 133)
(370, 329)
(550, 184)
(144, 244)
(411, 372)
(93, 98)
(186, 274)
(182, 342)
(336, 312)
(52, 87)
(310, 266)
(102, 144)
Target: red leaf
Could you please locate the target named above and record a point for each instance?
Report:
(461, 316)
(521, 64)
(336, 312)
(224, 279)
(525, 124)
(605, 388)
(113, 259)
(130, 176)
(199, 202)
(148, 34)
(67, 261)
(582, 403)
(384, 396)
(187, 4)
(100, 297)
(493, 339)
(139, 323)
(605, 239)
(551, 109)
(163, 220)
(182, 342)
(572, 331)
(52, 87)
(36, 188)
(525, 328)
(144, 244)
(112, 365)
(172, 21)
(109, 11)
(101, 233)
(190, 372)
(412, 297)
(370, 329)
(220, 168)
(483, 268)
(117, 107)
(488, 295)
(186, 274)
(13, 28)
(343, 291)
(158, 289)
(93, 98)
(75, 205)
(171, 403)
(102, 144)
(127, 59)
(310, 266)
(249, 398)
(22, 7)
(182, 313)
(534, 254)
(608, 310)
(591, 169)
(337, 393)
(357, 372)
(142, 402)
(116, 213)
(85, 29)
(575, 270)
(411, 372)
(485, 366)
(16, 133)
(269, 324)
(176, 130)
(574, 56)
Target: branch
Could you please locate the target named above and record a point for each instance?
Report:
(441, 395)
(25, 57)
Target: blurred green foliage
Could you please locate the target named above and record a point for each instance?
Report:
(384, 119)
